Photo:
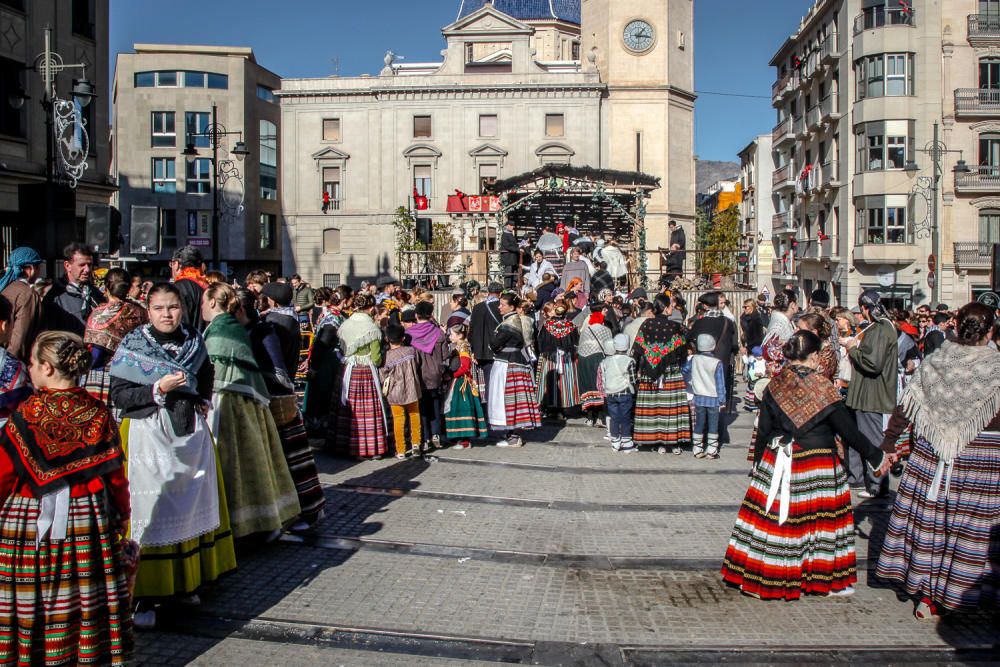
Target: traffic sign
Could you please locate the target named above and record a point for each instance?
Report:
(931, 280)
(932, 263)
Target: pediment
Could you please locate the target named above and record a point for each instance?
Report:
(986, 203)
(421, 151)
(554, 149)
(487, 20)
(488, 150)
(330, 153)
(985, 126)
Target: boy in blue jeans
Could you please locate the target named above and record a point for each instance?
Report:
(706, 379)
(616, 378)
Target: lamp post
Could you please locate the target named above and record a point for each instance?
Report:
(221, 171)
(928, 188)
(66, 142)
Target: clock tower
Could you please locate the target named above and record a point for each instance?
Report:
(643, 50)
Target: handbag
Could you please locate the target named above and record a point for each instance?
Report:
(480, 378)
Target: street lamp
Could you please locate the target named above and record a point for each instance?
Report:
(927, 188)
(66, 141)
(222, 171)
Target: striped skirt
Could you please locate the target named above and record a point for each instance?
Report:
(511, 403)
(98, 384)
(302, 466)
(948, 550)
(813, 552)
(464, 418)
(588, 366)
(361, 427)
(662, 414)
(557, 382)
(62, 602)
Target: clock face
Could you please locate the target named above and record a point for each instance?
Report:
(639, 36)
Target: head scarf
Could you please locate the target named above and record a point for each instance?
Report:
(19, 258)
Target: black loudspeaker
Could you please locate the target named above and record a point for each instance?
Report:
(424, 233)
(995, 268)
(101, 230)
(144, 231)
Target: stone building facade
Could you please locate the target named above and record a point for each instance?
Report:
(521, 84)
(79, 35)
(164, 92)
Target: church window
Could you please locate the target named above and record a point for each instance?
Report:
(555, 125)
(331, 129)
(422, 127)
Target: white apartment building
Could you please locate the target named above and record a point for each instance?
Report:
(757, 209)
(860, 87)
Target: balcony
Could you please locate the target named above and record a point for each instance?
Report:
(799, 127)
(887, 253)
(783, 86)
(829, 50)
(984, 29)
(830, 175)
(973, 254)
(782, 132)
(817, 249)
(830, 108)
(814, 117)
(980, 178)
(983, 102)
(878, 18)
(782, 224)
(783, 178)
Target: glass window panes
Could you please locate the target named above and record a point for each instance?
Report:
(196, 123)
(896, 153)
(422, 127)
(895, 225)
(265, 93)
(876, 153)
(989, 74)
(487, 176)
(145, 79)
(331, 280)
(331, 129)
(194, 79)
(331, 185)
(164, 132)
(168, 227)
(895, 80)
(166, 79)
(989, 226)
(882, 220)
(487, 125)
(554, 125)
(199, 176)
(268, 143)
(164, 175)
(12, 121)
(422, 180)
(267, 230)
(218, 81)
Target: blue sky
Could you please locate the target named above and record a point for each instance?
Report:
(734, 40)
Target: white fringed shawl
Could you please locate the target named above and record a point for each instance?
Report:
(357, 332)
(953, 395)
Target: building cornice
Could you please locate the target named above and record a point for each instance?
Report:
(445, 92)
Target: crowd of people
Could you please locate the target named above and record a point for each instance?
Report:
(154, 429)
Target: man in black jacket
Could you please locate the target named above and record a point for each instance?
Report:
(281, 315)
(483, 322)
(72, 298)
(677, 236)
(510, 256)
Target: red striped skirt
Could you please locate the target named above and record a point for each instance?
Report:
(813, 551)
(63, 602)
(662, 414)
(361, 422)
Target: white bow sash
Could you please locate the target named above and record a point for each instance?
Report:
(781, 478)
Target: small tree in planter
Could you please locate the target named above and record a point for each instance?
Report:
(444, 247)
(722, 241)
(406, 241)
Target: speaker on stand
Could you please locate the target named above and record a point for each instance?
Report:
(101, 231)
(144, 230)
(425, 235)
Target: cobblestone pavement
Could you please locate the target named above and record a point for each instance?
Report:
(560, 553)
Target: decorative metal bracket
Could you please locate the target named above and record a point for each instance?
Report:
(71, 140)
(923, 188)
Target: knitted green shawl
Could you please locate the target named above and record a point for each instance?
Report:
(236, 369)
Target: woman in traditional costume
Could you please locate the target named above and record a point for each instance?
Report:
(161, 380)
(829, 361)
(662, 415)
(362, 431)
(64, 596)
(259, 488)
(273, 359)
(322, 396)
(795, 530)
(512, 405)
(106, 326)
(595, 338)
(558, 340)
(464, 418)
(779, 330)
(941, 544)
(553, 250)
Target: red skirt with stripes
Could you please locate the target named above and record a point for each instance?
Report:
(361, 422)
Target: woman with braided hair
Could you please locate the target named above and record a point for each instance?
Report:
(942, 537)
(362, 429)
(64, 595)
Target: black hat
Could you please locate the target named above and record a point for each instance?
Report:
(820, 297)
(638, 293)
(710, 299)
(280, 293)
(408, 315)
(943, 307)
